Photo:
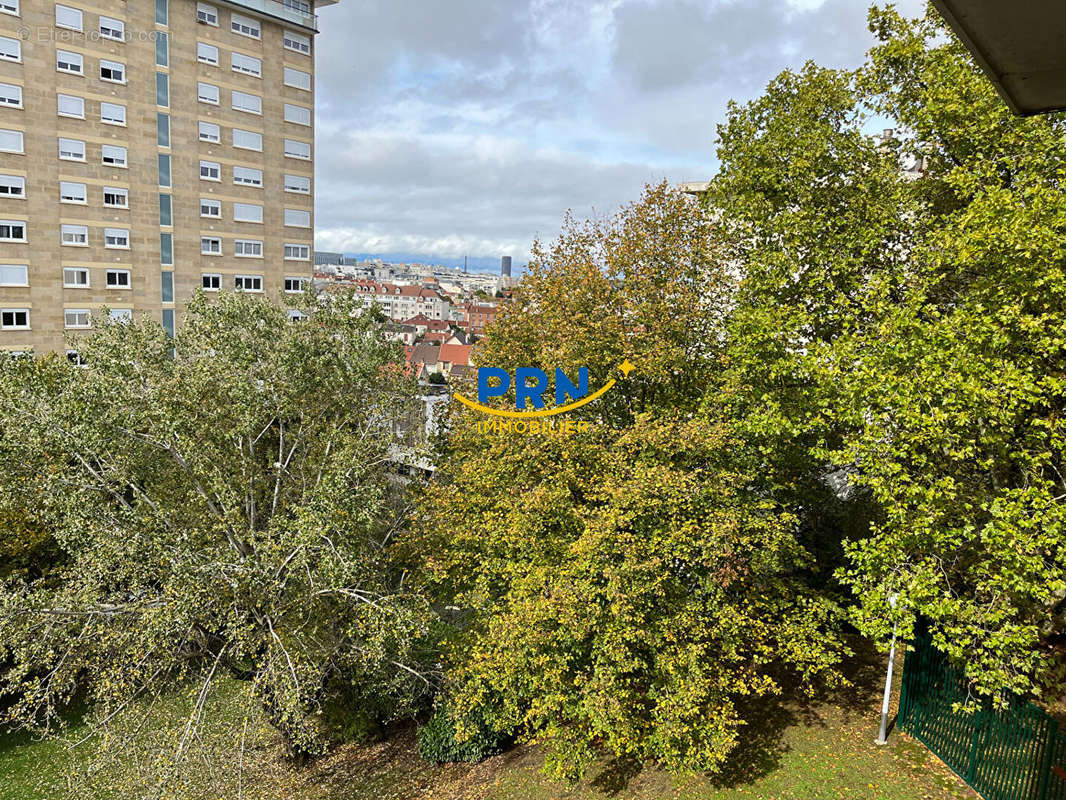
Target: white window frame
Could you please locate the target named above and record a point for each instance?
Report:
(248, 283)
(254, 140)
(115, 147)
(113, 29)
(74, 231)
(10, 95)
(65, 16)
(210, 242)
(211, 278)
(21, 141)
(14, 326)
(73, 192)
(108, 115)
(23, 269)
(206, 96)
(121, 235)
(297, 78)
(114, 67)
(70, 272)
(4, 223)
(10, 49)
(70, 62)
(9, 7)
(255, 215)
(292, 187)
(299, 248)
(297, 115)
(62, 157)
(211, 203)
(291, 153)
(61, 97)
(12, 187)
(212, 166)
(296, 42)
(213, 129)
(245, 26)
(249, 181)
(120, 315)
(300, 281)
(204, 47)
(119, 285)
(255, 245)
(71, 318)
(301, 212)
(207, 14)
(255, 108)
(120, 193)
(254, 67)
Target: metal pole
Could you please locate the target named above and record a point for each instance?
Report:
(882, 737)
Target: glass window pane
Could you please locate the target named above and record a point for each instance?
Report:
(163, 126)
(164, 170)
(167, 286)
(166, 216)
(162, 89)
(166, 248)
(162, 54)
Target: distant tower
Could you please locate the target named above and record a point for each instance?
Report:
(505, 266)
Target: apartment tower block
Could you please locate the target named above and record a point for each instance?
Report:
(150, 148)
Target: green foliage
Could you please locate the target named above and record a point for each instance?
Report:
(225, 510)
(901, 338)
(442, 741)
(623, 588)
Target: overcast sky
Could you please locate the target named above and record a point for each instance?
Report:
(454, 127)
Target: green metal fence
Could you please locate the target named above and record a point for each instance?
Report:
(1014, 753)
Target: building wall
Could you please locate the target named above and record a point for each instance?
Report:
(160, 44)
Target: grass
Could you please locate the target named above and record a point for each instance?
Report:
(817, 750)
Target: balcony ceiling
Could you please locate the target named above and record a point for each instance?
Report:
(1020, 44)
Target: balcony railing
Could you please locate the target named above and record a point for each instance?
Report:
(289, 10)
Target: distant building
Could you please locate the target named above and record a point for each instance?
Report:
(505, 267)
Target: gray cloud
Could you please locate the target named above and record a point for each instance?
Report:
(471, 126)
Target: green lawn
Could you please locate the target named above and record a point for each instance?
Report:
(820, 750)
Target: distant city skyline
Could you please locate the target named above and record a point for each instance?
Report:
(474, 263)
(470, 127)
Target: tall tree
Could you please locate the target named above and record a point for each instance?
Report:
(224, 503)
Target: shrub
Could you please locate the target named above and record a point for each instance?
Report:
(439, 740)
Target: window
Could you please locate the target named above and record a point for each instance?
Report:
(210, 208)
(112, 29)
(211, 282)
(74, 357)
(207, 54)
(294, 149)
(297, 252)
(74, 235)
(166, 286)
(77, 318)
(296, 218)
(295, 285)
(162, 49)
(247, 140)
(299, 5)
(118, 279)
(67, 17)
(12, 230)
(162, 129)
(248, 283)
(117, 238)
(247, 212)
(210, 171)
(210, 132)
(113, 113)
(74, 63)
(207, 14)
(166, 210)
(72, 192)
(248, 248)
(121, 314)
(162, 89)
(297, 78)
(246, 64)
(10, 49)
(161, 11)
(10, 141)
(248, 176)
(207, 93)
(210, 246)
(163, 166)
(9, 7)
(75, 278)
(297, 114)
(244, 26)
(15, 319)
(166, 249)
(113, 71)
(297, 184)
(116, 197)
(113, 155)
(297, 43)
(12, 186)
(251, 103)
(70, 106)
(14, 275)
(10, 95)
(71, 149)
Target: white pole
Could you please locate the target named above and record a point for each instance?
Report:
(882, 737)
